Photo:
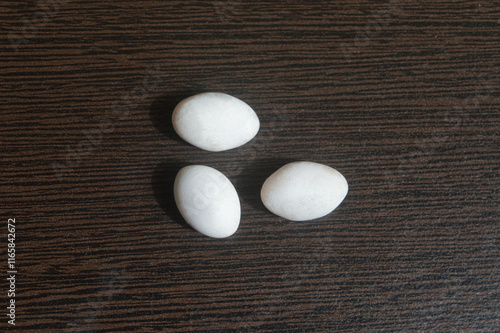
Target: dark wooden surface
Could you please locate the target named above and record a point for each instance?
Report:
(402, 97)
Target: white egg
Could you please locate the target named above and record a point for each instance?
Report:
(207, 200)
(215, 121)
(301, 191)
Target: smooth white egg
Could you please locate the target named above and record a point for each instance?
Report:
(207, 200)
(301, 191)
(215, 121)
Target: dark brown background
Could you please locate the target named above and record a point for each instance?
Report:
(400, 96)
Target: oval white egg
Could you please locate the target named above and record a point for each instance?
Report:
(301, 191)
(207, 200)
(215, 121)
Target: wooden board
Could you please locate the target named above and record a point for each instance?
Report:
(402, 97)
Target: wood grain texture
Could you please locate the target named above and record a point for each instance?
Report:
(402, 97)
